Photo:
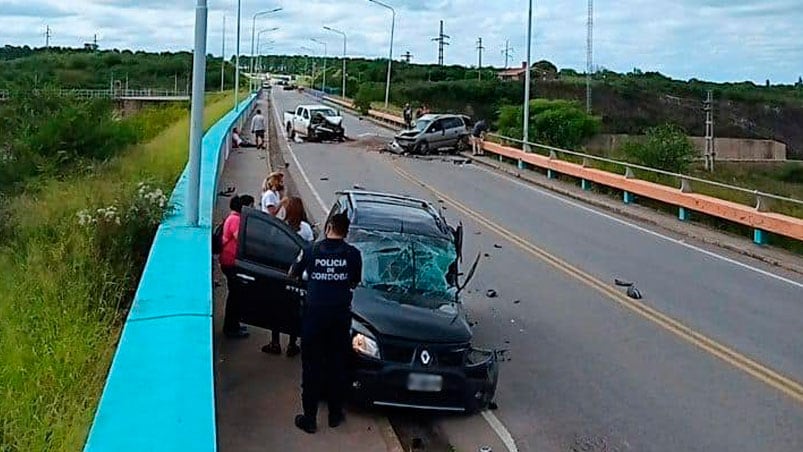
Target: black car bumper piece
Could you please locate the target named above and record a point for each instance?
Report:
(469, 387)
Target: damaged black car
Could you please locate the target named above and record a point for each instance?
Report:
(411, 340)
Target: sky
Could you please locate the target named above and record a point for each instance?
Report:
(716, 40)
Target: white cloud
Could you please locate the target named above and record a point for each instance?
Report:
(709, 39)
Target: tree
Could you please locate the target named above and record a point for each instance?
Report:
(666, 147)
(558, 123)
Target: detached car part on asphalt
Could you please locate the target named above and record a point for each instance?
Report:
(432, 133)
(411, 340)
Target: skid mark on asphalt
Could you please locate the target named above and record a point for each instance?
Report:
(786, 385)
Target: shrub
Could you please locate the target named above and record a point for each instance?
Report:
(556, 123)
(666, 147)
(792, 173)
(362, 101)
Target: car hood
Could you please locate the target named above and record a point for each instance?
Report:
(408, 134)
(334, 120)
(389, 315)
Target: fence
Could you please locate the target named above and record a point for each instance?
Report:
(159, 393)
(109, 93)
(755, 214)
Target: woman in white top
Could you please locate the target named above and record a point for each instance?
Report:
(291, 211)
(272, 189)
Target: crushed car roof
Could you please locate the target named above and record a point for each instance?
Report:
(393, 213)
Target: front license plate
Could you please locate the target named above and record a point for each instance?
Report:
(425, 383)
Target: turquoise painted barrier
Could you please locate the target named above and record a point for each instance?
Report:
(160, 393)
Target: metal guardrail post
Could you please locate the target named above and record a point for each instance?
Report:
(762, 203)
(629, 173)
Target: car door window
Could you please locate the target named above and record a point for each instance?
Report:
(436, 126)
(298, 111)
(306, 114)
(267, 242)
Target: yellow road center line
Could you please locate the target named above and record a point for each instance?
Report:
(772, 378)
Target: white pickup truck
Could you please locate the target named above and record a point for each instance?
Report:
(314, 122)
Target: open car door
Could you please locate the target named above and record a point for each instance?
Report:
(269, 297)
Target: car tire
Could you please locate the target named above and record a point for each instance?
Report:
(463, 144)
(422, 148)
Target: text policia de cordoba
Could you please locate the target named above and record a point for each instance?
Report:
(335, 270)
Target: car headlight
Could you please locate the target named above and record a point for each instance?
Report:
(365, 345)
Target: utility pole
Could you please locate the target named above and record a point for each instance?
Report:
(48, 34)
(480, 48)
(407, 57)
(710, 151)
(526, 120)
(589, 54)
(223, 56)
(442, 40)
(507, 53)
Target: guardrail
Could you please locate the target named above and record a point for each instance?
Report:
(756, 216)
(159, 393)
(113, 94)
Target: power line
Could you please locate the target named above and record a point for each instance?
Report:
(442, 41)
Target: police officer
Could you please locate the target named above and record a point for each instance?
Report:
(333, 269)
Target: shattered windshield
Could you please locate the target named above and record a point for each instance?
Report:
(421, 124)
(328, 112)
(405, 263)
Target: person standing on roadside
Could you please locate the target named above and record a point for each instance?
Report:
(408, 115)
(258, 127)
(334, 270)
(272, 189)
(478, 137)
(291, 210)
(228, 255)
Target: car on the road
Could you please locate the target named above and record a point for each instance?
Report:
(433, 132)
(411, 339)
(315, 122)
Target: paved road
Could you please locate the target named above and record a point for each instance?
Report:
(588, 368)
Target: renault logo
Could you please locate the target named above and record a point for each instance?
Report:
(426, 358)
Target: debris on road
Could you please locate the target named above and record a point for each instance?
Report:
(324, 178)
(491, 293)
(497, 246)
(622, 283)
(634, 293)
(227, 192)
(516, 301)
(358, 187)
(487, 255)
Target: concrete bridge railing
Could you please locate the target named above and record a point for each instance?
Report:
(159, 394)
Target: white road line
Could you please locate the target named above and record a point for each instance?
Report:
(501, 430)
(489, 417)
(293, 155)
(642, 229)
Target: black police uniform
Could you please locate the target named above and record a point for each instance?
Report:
(334, 269)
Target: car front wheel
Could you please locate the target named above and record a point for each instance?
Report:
(422, 148)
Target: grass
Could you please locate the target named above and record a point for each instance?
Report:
(59, 310)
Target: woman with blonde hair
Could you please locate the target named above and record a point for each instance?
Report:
(272, 189)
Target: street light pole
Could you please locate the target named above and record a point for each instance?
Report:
(526, 136)
(325, 54)
(345, 44)
(223, 56)
(237, 60)
(259, 36)
(312, 68)
(390, 57)
(253, 27)
(196, 113)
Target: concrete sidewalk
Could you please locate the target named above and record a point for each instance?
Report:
(258, 395)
